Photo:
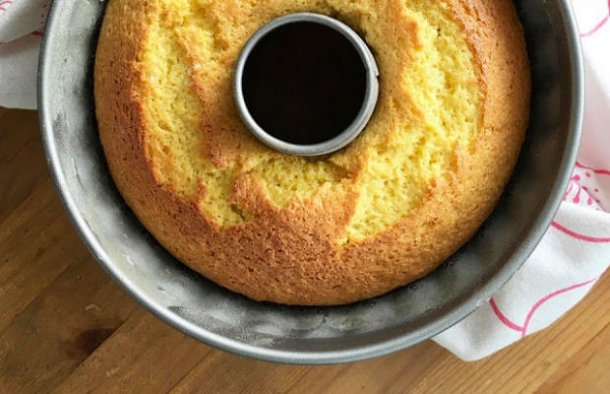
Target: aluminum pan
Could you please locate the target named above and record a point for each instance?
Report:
(228, 321)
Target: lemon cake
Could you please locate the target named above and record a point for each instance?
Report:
(414, 187)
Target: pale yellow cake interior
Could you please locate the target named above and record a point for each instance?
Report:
(429, 109)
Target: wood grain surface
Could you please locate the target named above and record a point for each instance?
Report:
(65, 327)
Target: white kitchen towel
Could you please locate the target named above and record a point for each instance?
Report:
(573, 254)
(21, 24)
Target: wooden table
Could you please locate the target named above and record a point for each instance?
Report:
(66, 327)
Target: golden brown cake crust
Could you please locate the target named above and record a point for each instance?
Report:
(290, 256)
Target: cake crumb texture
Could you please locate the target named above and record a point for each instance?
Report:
(388, 209)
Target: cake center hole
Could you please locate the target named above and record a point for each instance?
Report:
(304, 83)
